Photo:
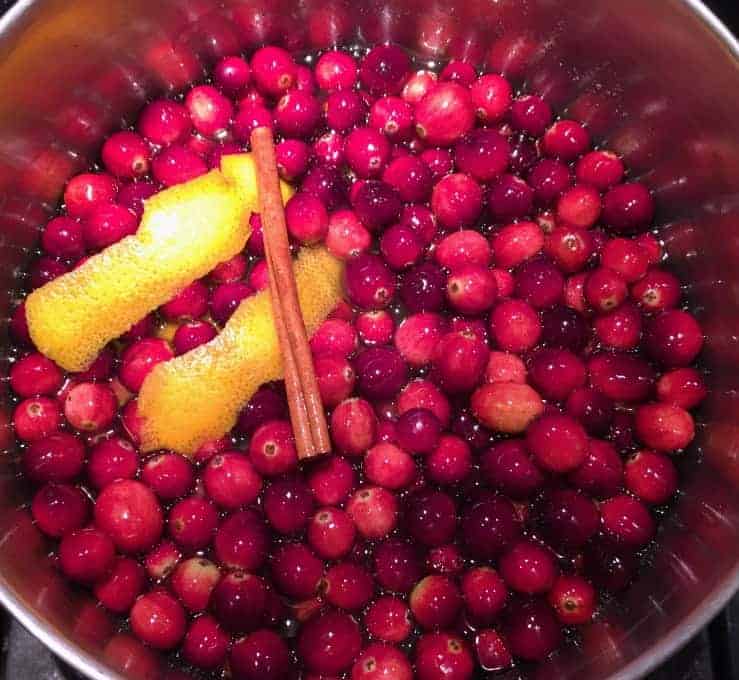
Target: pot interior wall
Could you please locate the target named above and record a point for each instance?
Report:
(653, 80)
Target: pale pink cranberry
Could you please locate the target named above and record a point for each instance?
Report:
(462, 248)
(628, 207)
(549, 179)
(346, 236)
(445, 114)
(374, 511)
(367, 151)
(262, 654)
(375, 328)
(410, 177)
(133, 196)
(528, 568)
(456, 201)
(192, 334)
(118, 591)
(418, 85)
(106, 224)
(86, 555)
(557, 442)
(347, 586)
(296, 571)
(384, 69)
(226, 298)
(515, 325)
(191, 523)
(58, 509)
(90, 406)
(232, 74)
(440, 162)
(293, 156)
(659, 290)
(210, 111)
(621, 328)
(344, 110)
(332, 480)
(164, 122)
(336, 379)
(177, 164)
(515, 243)
(579, 207)
(388, 619)
(532, 631)
(329, 643)
(297, 114)
(621, 377)
(329, 148)
(417, 336)
(505, 367)
(664, 427)
(509, 197)
(273, 70)
(601, 169)
(139, 358)
(683, 387)
(239, 601)
(36, 418)
(443, 656)
(193, 582)
(674, 338)
(601, 474)
(336, 70)
(250, 116)
(508, 467)
(35, 374)
(507, 407)
(191, 302)
(125, 154)
(353, 426)
(530, 114)
(88, 190)
(627, 521)
(62, 237)
(435, 602)
(205, 644)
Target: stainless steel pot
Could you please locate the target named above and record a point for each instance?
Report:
(658, 80)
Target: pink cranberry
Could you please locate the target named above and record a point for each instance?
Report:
(443, 656)
(344, 110)
(626, 520)
(205, 644)
(192, 334)
(331, 533)
(664, 427)
(334, 337)
(346, 236)
(273, 70)
(112, 459)
(472, 289)
(348, 586)
(177, 164)
(62, 237)
(514, 325)
(601, 169)
(601, 474)
(505, 367)
(507, 466)
(130, 514)
(450, 462)
(388, 619)
(86, 555)
(621, 377)
(55, 458)
(628, 207)
(374, 511)
(491, 97)
(683, 387)
(242, 541)
(125, 154)
(381, 372)
(118, 591)
(164, 122)
(492, 651)
(573, 599)
(139, 358)
(266, 404)
(389, 466)
(435, 602)
(262, 655)
(329, 643)
(461, 249)
(332, 480)
(445, 114)
(506, 407)
(605, 289)
(397, 566)
(106, 224)
(192, 521)
(530, 114)
(489, 526)
(532, 630)
(90, 407)
(393, 116)
(528, 568)
(417, 336)
(296, 571)
(674, 338)
(161, 561)
(58, 509)
(87, 191)
(191, 302)
(484, 594)
(293, 156)
(34, 374)
(336, 70)
(657, 291)
(456, 201)
(651, 477)
(460, 359)
(384, 69)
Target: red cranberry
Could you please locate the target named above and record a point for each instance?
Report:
(307, 219)
(565, 139)
(528, 568)
(539, 283)
(397, 566)
(564, 327)
(508, 467)
(177, 164)
(461, 249)
(139, 358)
(296, 571)
(515, 325)
(605, 289)
(492, 652)
(191, 302)
(90, 406)
(573, 599)
(418, 430)
(459, 72)
(232, 74)
(192, 521)
(192, 334)
(664, 427)
(482, 154)
(422, 288)
(369, 283)
(381, 661)
(628, 207)
(164, 122)
(374, 510)
(488, 526)
(193, 582)
(524, 155)
(418, 85)
(36, 418)
(384, 69)
(249, 116)
(367, 151)
(456, 201)
(346, 236)
(443, 656)
(58, 509)
(335, 379)
(119, 590)
(353, 426)
(86, 555)
(161, 561)
(293, 156)
(410, 177)
(491, 97)
(593, 409)
(601, 169)
(506, 407)
(389, 466)
(347, 586)
(627, 521)
(329, 643)
(472, 289)
(435, 602)
(651, 477)
(445, 114)
(601, 474)
(226, 298)
(168, 475)
(621, 377)
(620, 329)
(262, 655)
(674, 338)
(579, 207)
(62, 237)
(266, 404)
(460, 359)
(431, 517)
(56, 458)
(375, 328)
(106, 224)
(87, 191)
(336, 70)
(626, 258)
(34, 375)
(329, 148)
(239, 601)
(557, 442)
(484, 594)
(381, 372)
(45, 270)
(530, 114)
(423, 394)
(331, 533)
(505, 367)
(445, 559)
(288, 505)
(417, 336)
(450, 462)
(532, 630)
(335, 337)
(18, 325)
(126, 154)
(393, 116)
(569, 247)
(683, 387)
(388, 619)
(205, 644)
(231, 481)
(130, 514)
(376, 204)
(273, 70)
(440, 162)
(549, 179)
(344, 110)
(657, 291)
(515, 243)
(555, 373)
(297, 114)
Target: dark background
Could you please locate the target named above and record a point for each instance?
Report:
(713, 654)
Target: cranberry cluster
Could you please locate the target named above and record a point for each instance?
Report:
(507, 385)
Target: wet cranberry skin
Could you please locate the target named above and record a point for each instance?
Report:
(659, 290)
(539, 283)
(528, 567)
(488, 526)
(56, 458)
(555, 373)
(58, 509)
(388, 619)
(573, 599)
(557, 442)
(139, 359)
(353, 426)
(273, 70)
(383, 70)
(627, 521)
(601, 474)
(601, 169)
(443, 656)
(164, 122)
(568, 517)
(482, 154)
(348, 586)
(507, 466)
(651, 477)
(431, 517)
(664, 427)
(683, 387)
(674, 338)
(530, 114)
(621, 377)
(231, 481)
(288, 505)
(435, 602)
(191, 522)
(205, 643)
(450, 462)
(593, 409)
(515, 325)
(86, 555)
(262, 655)
(422, 288)
(331, 480)
(484, 594)
(381, 372)
(34, 375)
(369, 282)
(410, 177)
(397, 565)
(239, 601)
(445, 114)
(532, 631)
(329, 643)
(296, 571)
(119, 590)
(509, 197)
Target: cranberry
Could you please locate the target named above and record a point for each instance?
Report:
(90, 406)
(491, 97)
(118, 591)
(230, 480)
(130, 514)
(462, 249)
(334, 336)
(505, 367)
(410, 177)
(418, 85)
(431, 517)
(262, 655)
(87, 191)
(569, 247)
(125, 154)
(683, 387)
(177, 164)
(192, 334)
(515, 243)
(62, 237)
(332, 480)
(489, 526)
(573, 600)
(296, 571)
(381, 372)
(133, 196)
(384, 69)
(307, 219)
(657, 291)
(506, 407)
(58, 509)
(205, 644)
(435, 602)
(507, 466)
(445, 114)
(36, 418)
(86, 555)
(621, 377)
(674, 338)
(482, 154)
(579, 207)
(443, 656)
(266, 404)
(460, 359)
(564, 327)
(593, 409)
(273, 70)
(601, 474)
(161, 562)
(389, 466)
(555, 373)
(422, 288)
(530, 114)
(450, 462)
(34, 375)
(524, 155)
(484, 594)
(539, 283)
(336, 70)
(55, 458)
(293, 156)
(605, 289)
(369, 283)
(601, 169)
(393, 116)
(664, 427)
(192, 521)
(417, 336)
(528, 568)
(250, 116)
(397, 566)
(381, 661)
(193, 582)
(158, 619)
(423, 394)
(651, 477)
(239, 601)
(628, 207)
(347, 586)
(417, 430)
(329, 148)
(232, 74)
(374, 510)
(626, 520)
(376, 204)
(376, 327)
(532, 630)
(191, 302)
(106, 224)
(45, 270)
(18, 325)
(331, 533)
(514, 325)
(329, 643)
(346, 236)
(139, 358)
(557, 442)
(492, 652)
(344, 110)
(388, 619)
(164, 122)
(226, 298)
(549, 179)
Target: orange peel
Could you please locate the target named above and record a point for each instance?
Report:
(197, 396)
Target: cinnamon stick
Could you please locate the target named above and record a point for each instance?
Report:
(304, 399)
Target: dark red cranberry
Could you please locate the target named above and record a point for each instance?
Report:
(90, 406)
(106, 224)
(556, 373)
(164, 122)
(353, 426)
(118, 591)
(422, 288)
(423, 394)
(262, 655)
(331, 533)
(601, 474)
(58, 509)
(530, 114)
(539, 283)
(564, 327)
(296, 571)
(492, 651)
(621, 377)
(18, 325)
(190, 303)
(445, 559)
(664, 427)
(192, 334)
(62, 237)
(410, 177)
(388, 619)
(418, 430)
(626, 521)
(86, 555)
(205, 644)
(374, 511)
(484, 593)
(532, 630)
(347, 586)
(56, 458)
(193, 582)
(376, 204)
(683, 387)
(593, 409)
(601, 169)
(273, 70)
(266, 404)
(435, 602)
(573, 599)
(329, 643)
(288, 505)
(192, 521)
(549, 179)
(293, 156)
(297, 114)
(431, 517)
(369, 282)
(384, 69)
(445, 114)
(491, 97)
(507, 466)
(450, 462)
(674, 338)
(509, 197)
(225, 299)
(397, 565)
(628, 207)
(125, 154)
(381, 372)
(488, 526)
(139, 358)
(239, 601)
(568, 517)
(528, 567)
(443, 656)
(44, 270)
(610, 568)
